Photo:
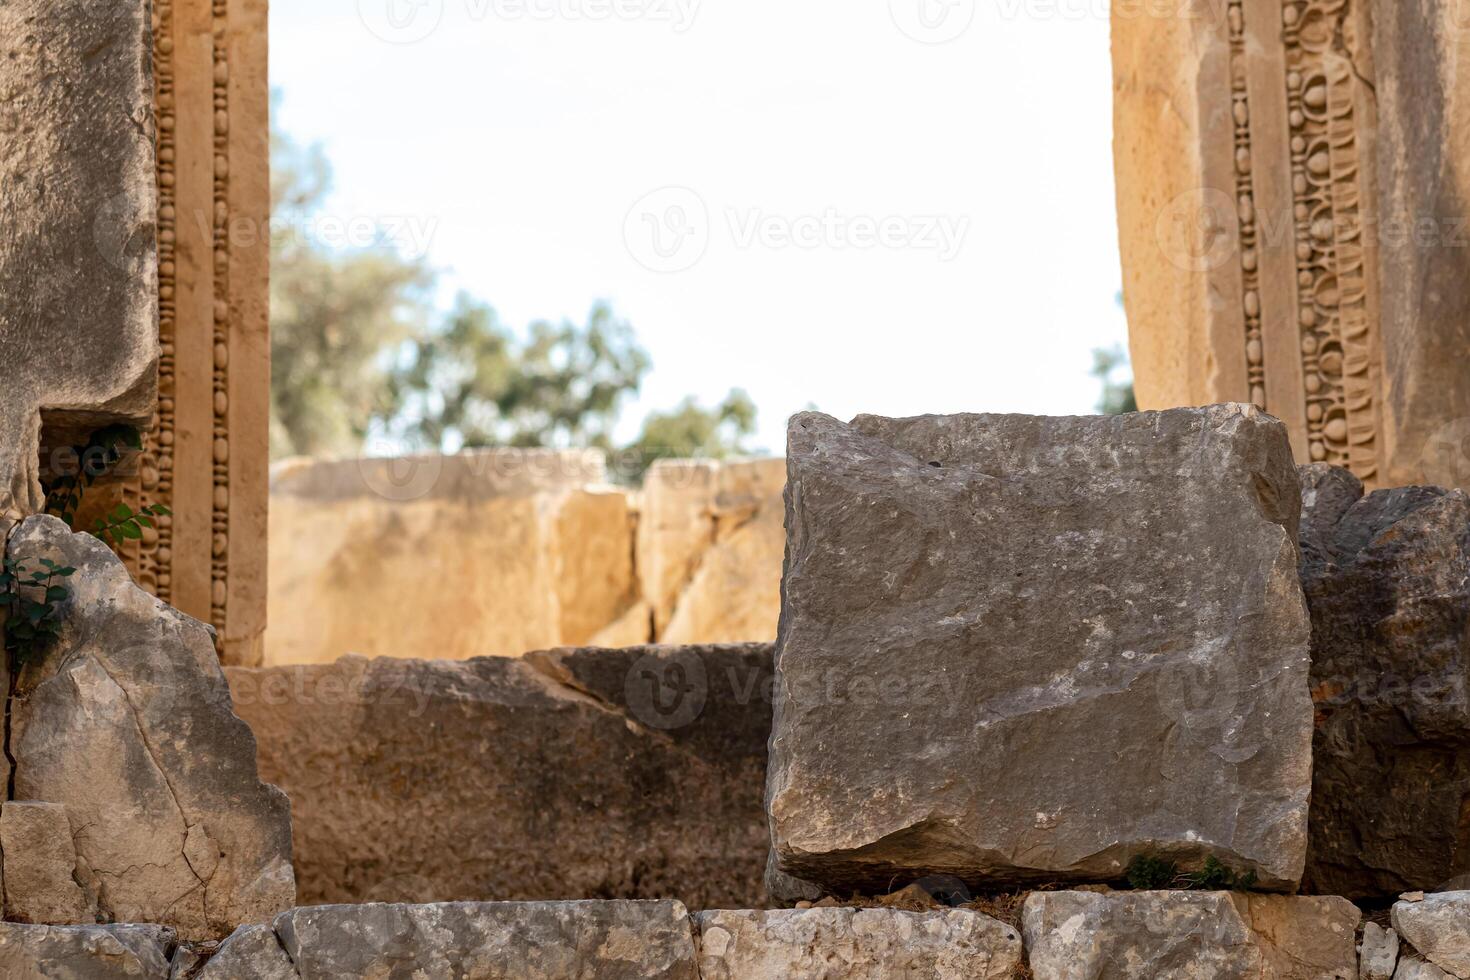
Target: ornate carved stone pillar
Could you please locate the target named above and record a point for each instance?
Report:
(207, 453)
(1260, 258)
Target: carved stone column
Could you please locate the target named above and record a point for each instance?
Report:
(1260, 259)
(207, 453)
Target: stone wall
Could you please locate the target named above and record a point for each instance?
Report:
(499, 552)
(632, 773)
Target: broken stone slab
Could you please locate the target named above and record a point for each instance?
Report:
(1387, 581)
(125, 721)
(863, 944)
(1019, 649)
(92, 952)
(41, 866)
(1378, 954)
(1145, 935)
(434, 781)
(1438, 927)
(526, 940)
(78, 265)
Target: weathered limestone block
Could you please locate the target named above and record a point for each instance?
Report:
(1387, 580)
(710, 544)
(1020, 649)
(361, 551)
(446, 781)
(127, 952)
(1293, 223)
(528, 941)
(1439, 928)
(1413, 968)
(1378, 954)
(860, 944)
(126, 722)
(1146, 935)
(41, 866)
(78, 302)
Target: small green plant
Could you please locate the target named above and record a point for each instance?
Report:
(126, 524)
(104, 449)
(31, 598)
(1153, 874)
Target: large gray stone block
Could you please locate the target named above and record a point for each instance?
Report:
(524, 940)
(1020, 649)
(856, 944)
(634, 773)
(128, 952)
(78, 262)
(1387, 580)
(126, 721)
(1439, 928)
(1148, 935)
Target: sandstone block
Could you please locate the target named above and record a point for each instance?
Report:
(1439, 928)
(529, 941)
(541, 547)
(862, 944)
(41, 866)
(1018, 649)
(1145, 935)
(92, 952)
(710, 543)
(125, 721)
(78, 280)
(1387, 580)
(444, 781)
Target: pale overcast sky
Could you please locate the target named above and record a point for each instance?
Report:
(888, 206)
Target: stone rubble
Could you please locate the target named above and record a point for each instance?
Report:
(1438, 927)
(126, 725)
(986, 670)
(1378, 953)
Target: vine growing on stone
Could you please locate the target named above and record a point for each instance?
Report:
(31, 597)
(65, 491)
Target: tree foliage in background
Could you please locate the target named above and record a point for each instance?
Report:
(334, 315)
(476, 383)
(690, 430)
(355, 349)
(1117, 396)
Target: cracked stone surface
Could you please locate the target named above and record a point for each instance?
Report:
(78, 280)
(1019, 649)
(529, 941)
(433, 781)
(124, 952)
(710, 541)
(1219, 935)
(1439, 929)
(41, 866)
(126, 721)
(856, 944)
(1387, 581)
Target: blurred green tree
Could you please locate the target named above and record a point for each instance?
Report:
(692, 431)
(1117, 396)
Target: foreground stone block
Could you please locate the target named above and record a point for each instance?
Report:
(710, 542)
(1146, 935)
(78, 280)
(541, 546)
(1439, 928)
(856, 943)
(631, 773)
(128, 952)
(1387, 580)
(126, 722)
(1021, 649)
(41, 866)
(534, 941)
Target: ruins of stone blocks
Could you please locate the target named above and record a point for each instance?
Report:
(1292, 224)
(136, 793)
